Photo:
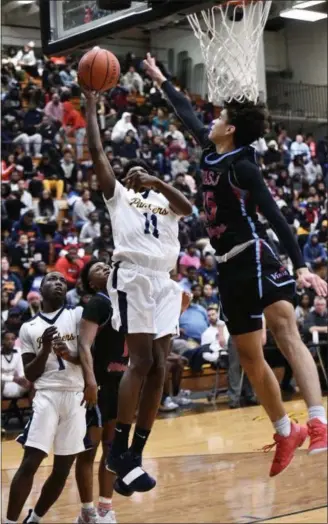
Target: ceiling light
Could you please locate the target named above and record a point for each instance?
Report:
(309, 3)
(25, 2)
(305, 16)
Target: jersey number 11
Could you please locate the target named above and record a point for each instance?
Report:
(152, 219)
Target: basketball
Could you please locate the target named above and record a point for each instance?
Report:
(99, 70)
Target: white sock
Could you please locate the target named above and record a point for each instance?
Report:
(87, 505)
(105, 500)
(34, 517)
(318, 412)
(283, 426)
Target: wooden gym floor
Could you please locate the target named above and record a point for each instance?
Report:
(209, 468)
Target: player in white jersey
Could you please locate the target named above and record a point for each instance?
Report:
(50, 358)
(146, 302)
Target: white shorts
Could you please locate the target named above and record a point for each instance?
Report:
(58, 422)
(144, 301)
(13, 390)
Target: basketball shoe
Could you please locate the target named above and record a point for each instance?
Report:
(131, 476)
(87, 516)
(106, 517)
(285, 448)
(318, 436)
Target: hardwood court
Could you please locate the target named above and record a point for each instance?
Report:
(209, 468)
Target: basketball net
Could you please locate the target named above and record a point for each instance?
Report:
(230, 36)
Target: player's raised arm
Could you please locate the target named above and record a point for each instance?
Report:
(181, 105)
(104, 172)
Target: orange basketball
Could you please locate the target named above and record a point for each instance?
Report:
(99, 70)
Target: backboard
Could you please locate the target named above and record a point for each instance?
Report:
(71, 24)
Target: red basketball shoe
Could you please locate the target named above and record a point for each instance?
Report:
(286, 447)
(318, 436)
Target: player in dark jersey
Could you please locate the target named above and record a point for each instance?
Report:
(110, 359)
(252, 280)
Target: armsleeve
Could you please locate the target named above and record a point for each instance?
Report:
(249, 178)
(185, 112)
(25, 341)
(97, 311)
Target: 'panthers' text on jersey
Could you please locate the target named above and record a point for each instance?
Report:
(145, 229)
(58, 374)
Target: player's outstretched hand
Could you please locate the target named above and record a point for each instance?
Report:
(307, 279)
(137, 179)
(91, 96)
(90, 395)
(153, 70)
(47, 338)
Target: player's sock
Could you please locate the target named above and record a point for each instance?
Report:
(283, 426)
(121, 439)
(318, 412)
(104, 505)
(87, 505)
(34, 518)
(140, 438)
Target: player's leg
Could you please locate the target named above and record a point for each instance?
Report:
(84, 475)
(53, 486)
(22, 482)
(282, 323)
(106, 478)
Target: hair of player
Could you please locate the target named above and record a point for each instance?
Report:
(249, 119)
(85, 276)
(137, 163)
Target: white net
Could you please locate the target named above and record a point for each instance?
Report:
(230, 37)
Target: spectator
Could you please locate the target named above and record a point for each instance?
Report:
(190, 280)
(316, 323)
(209, 297)
(313, 170)
(69, 169)
(54, 110)
(181, 184)
(91, 229)
(174, 369)
(52, 176)
(67, 236)
(314, 253)
(70, 266)
(299, 148)
(26, 225)
(21, 253)
(133, 81)
(193, 323)
(121, 128)
(46, 213)
(189, 259)
(74, 296)
(75, 125)
(25, 58)
(176, 135)
(180, 165)
(303, 309)
(13, 382)
(129, 148)
(160, 122)
(215, 332)
(4, 308)
(34, 306)
(105, 240)
(82, 209)
(208, 271)
(68, 79)
(11, 284)
(34, 280)
(310, 142)
(25, 197)
(272, 157)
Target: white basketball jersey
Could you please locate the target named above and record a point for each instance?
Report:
(145, 229)
(58, 374)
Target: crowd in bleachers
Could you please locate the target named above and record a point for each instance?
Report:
(52, 211)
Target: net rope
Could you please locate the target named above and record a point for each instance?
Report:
(230, 48)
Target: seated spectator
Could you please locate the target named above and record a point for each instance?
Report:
(179, 165)
(171, 400)
(68, 79)
(34, 306)
(11, 206)
(13, 382)
(75, 125)
(46, 213)
(299, 148)
(25, 197)
(208, 271)
(181, 184)
(313, 170)
(133, 81)
(190, 280)
(54, 110)
(15, 177)
(322, 232)
(31, 136)
(316, 323)
(91, 229)
(48, 132)
(129, 148)
(272, 157)
(160, 121)
(215, 332)
(303, 309)
(70, 266)
(52, 176)
(82, 209)
(121, 128)
(197, 295)
(193, 323)
(12, 284)
(310, 142)
(26, 225)
(67, 236)
(4, 307)
(176, 135)
(314, 253)
(69, 169)
(210, 299)
(189, 259)
(21, 253)
(33, 281)
(105, 240)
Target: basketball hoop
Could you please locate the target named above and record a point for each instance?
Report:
(229, 36)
